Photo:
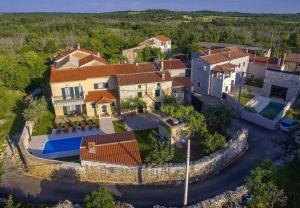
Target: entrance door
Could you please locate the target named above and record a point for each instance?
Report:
(104, 110)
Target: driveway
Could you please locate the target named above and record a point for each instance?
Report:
(42, 191)
(106, 125)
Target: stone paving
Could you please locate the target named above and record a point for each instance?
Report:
(106, 125)
(140, 122)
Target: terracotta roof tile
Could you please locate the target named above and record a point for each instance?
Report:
(101, 96)
(181, 82)
(118, 148)
(173, 64)
(162, 38)
(224, 68)
(293, 57)
(230, 54)
(69, 51)
(90, 58)
(140, 78)
(86, 72)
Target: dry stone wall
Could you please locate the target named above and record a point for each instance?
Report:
(108, 173)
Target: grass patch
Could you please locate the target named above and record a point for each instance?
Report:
(255, 82)
(119, 126)
(45, 125)
(244, 98)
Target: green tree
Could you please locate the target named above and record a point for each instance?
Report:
(212, 143)
(170, 100)
(99, 199)
(149, 54)
(35, 110)
(162, 152)
(10, 203)
(261, 184)
(218, 117)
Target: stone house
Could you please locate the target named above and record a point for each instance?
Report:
(161, 41)
(281, 84)
(215, 72)
(152, 87)
(181, 84)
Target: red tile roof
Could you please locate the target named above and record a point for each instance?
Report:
(293, 57)
(224, 68)
(118, 148)
(173, 64)
(141, 78)
(69, 51)
(90, 58)
(101, 96)
(227, 55)
(86, 72)
(162, 38)
(181, 82)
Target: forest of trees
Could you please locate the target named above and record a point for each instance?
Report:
(28, 41)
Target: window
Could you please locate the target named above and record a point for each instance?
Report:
(158, 85)
(162, 43)
(100, 85)
(157, 93)
(93, 105)
(113, 103)
(227, 74)
(198, 84)
(140, 94)
(139, 86)
(67, 92)
(226, 89)
(78, 92)
(244, 64)
(239, 65)
(103, 108)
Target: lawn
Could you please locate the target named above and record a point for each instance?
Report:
(45, 125)
(119, 126)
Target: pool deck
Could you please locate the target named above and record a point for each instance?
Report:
(36, 145)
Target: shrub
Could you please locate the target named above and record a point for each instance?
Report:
(256, 82)
(36, 109)
(162, 153)
(99, 199)
(212, 143)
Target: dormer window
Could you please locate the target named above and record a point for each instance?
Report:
(139, 86)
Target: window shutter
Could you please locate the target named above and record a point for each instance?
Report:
(63, 93)
(72, 92)
(77, 92)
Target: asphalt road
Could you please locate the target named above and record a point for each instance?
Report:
(33, 190)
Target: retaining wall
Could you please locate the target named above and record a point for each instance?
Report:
(109, 173)
(257, 118)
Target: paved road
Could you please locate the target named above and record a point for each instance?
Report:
(33, 190)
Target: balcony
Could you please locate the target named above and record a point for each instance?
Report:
(60, 101)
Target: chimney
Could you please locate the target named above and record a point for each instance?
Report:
(92, 147)
(78, 46)
(162, 65)
(163, 75)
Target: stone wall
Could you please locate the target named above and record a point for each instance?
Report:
(37, 166)
(109, 173)
(220, 200)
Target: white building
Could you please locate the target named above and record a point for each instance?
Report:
(218, 71)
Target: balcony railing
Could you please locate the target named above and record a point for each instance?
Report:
(60, 101)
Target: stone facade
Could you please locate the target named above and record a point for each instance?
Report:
(109, 173)
(282, 79)
(220, 200)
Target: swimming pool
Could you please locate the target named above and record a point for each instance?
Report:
(272, 110)
(62, 145)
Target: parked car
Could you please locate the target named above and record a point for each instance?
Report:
(287, 125)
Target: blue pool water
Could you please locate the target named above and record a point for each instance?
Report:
(272, 110)
(62, 145)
